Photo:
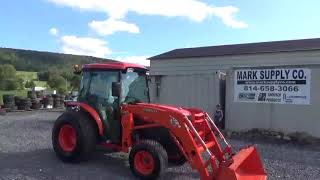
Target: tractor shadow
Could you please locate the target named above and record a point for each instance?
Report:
(43, 164)
(121, 161)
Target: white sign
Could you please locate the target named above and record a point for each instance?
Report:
(281, 86)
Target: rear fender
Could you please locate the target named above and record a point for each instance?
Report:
(93, 113)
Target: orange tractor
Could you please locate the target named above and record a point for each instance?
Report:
(113, 110)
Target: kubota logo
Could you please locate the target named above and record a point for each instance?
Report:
(150, 110)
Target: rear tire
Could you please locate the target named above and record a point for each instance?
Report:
(74, 137)
(148, 159)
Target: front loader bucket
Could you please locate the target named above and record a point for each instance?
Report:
(247, 165)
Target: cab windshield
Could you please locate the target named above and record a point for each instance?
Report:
(134, 87)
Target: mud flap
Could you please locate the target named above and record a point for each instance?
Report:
(247, 165)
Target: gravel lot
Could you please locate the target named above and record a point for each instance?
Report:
(26, 153)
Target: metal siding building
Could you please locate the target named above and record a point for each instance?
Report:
(192, 77)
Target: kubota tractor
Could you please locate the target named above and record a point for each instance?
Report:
(113, 110)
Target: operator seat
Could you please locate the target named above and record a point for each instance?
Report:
(108, 117)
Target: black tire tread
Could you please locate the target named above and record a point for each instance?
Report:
(156, 149)
(87, 136)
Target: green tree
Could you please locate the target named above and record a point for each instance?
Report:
(20, 83)
(8, 78)
(43, 75)
(62, 90)
(8, 57)
(75, 82)
(2, 84)
(67, 75)
(30, 84)
(11, 84)
(57, 82)
(7, 71)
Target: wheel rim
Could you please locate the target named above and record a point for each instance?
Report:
(67, 138)
(144, 162)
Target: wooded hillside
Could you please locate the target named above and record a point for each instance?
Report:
(28, 60)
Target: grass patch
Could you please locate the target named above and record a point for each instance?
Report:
(41, 83)
(27, 76)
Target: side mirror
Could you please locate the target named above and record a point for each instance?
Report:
(116, 89)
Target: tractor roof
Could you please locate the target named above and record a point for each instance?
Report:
(112, 65)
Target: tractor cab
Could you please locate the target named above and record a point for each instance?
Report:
(105, 87)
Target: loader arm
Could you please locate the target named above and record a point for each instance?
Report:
(194, 133)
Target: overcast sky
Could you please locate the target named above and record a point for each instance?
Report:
(132, 30)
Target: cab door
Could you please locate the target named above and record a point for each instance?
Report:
(96, 91)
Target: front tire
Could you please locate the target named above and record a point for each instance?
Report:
(148, 159)
(74, 137)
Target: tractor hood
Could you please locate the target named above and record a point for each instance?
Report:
(171, 108)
